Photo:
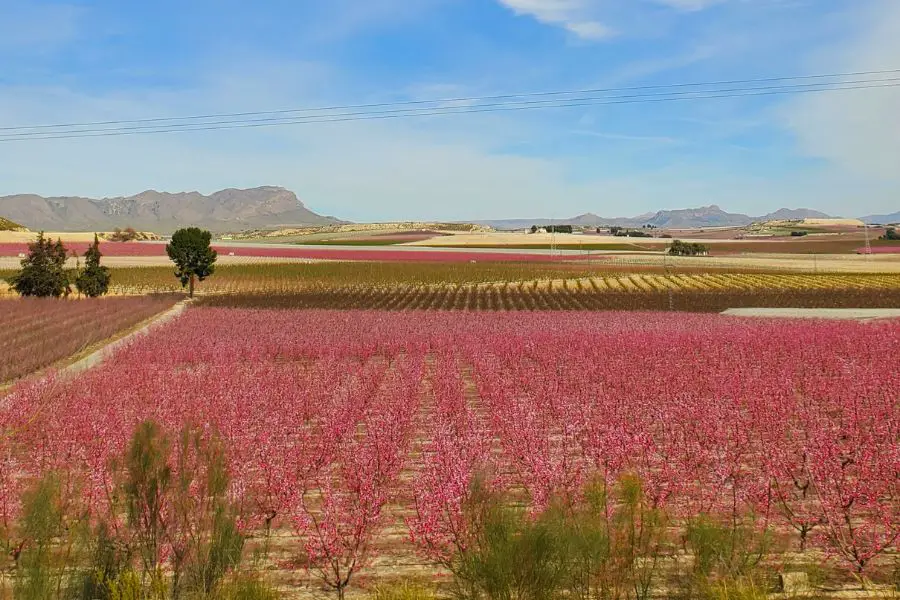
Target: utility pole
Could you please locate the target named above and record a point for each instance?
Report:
(669, 281)
(868, 250)
(552, 236)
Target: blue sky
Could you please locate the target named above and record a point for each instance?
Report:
(87, 61)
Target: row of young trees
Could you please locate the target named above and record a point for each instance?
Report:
(762, 427)
(43, 271)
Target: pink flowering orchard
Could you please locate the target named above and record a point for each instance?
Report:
(329, 418)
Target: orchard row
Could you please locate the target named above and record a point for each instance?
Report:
(788, 426)
(38, 332)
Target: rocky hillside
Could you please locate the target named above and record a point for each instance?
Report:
(7, 225)
(162, 212)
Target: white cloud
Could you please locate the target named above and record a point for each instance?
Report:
(858, 130)
(575, 16)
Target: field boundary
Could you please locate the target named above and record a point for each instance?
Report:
(840, 314)
(60, 365)
(109, 346)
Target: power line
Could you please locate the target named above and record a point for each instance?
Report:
(467, 99)
(445, 112)
(451, 110)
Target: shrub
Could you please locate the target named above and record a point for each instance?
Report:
(123, 235)
(727, 555)
(42, 523)
(592, 547)
(679, 248)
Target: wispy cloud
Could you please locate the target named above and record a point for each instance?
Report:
(586, 18)
(572, 15)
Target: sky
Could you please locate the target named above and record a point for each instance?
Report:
(838, 152)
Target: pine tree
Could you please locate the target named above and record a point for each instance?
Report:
(93, 281)
(43, 270)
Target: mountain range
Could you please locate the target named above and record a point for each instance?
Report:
(272, 207)
(161, 212)
(883, 219)
(706, 216)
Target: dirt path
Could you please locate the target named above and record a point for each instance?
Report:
(846, 314)
(104, 352)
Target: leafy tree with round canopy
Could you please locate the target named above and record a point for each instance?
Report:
(193, 257)
(43, 270)
(93, 281)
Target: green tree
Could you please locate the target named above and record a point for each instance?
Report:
(679, 248)
(193, 257)
(43, 270)
(93, 281)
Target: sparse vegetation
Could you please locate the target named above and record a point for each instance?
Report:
(7, 225)
(170, 531)
(123, 235)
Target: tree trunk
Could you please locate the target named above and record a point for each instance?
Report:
(191, 292)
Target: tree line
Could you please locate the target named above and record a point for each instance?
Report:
(43, 271)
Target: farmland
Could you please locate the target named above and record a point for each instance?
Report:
(518, 286)
(360, 406)
(354, 434)
(40, 332)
